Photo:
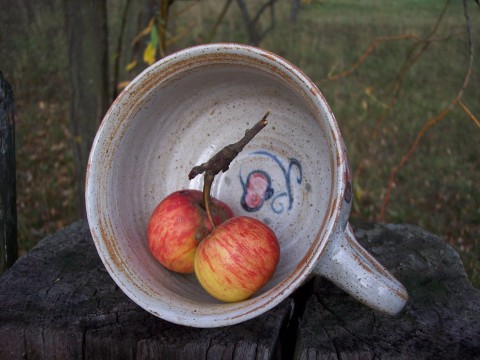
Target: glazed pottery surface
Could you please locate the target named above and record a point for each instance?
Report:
(293, 175)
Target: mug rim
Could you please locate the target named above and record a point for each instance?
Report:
(175, 64)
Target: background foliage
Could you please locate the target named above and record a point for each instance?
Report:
(381, 105)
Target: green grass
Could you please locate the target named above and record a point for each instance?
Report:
(436, 189)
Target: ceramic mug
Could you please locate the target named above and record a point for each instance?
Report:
(294, 175)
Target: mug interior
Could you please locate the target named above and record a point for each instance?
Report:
(176, 115)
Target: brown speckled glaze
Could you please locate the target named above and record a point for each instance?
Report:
(178, 113)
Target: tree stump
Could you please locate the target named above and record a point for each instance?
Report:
(440, 321)
(8, 193)
(58, 302)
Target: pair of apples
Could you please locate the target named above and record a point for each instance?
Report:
(232, 258)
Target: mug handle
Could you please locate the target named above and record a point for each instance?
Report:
(349, 266)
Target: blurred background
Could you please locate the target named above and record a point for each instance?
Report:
(402, 78)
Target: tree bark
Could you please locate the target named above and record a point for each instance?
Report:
(8, 191)
(255, 33)
(88, 71)
(295, 7)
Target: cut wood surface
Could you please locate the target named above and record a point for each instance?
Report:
(58, 302)
(440, 321)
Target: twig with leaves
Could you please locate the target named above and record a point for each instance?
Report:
(160, 38)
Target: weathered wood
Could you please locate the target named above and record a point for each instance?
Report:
(8, 195)
(441, 320)
(58, 301)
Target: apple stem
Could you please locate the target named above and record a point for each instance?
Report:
(221, 162)
(207, 185)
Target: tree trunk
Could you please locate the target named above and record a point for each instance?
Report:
(255, 33)
(294, 10)
(88, 70)
(135, 16)
(8, 193)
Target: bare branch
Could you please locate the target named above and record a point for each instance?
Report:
(220, 17)
(222, 159)
(255, 35)
(432, 121)
(116, 67)
(469, 113)
(221, 162)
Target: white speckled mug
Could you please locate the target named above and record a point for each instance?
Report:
(294, 176)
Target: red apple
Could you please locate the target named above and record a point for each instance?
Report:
(178, 224)
(237, 258)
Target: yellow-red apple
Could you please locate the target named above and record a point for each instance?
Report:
(178, 224)
(237, 258)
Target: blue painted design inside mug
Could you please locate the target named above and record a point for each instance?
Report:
(257, 188)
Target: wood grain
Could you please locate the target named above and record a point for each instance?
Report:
(58, 302)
